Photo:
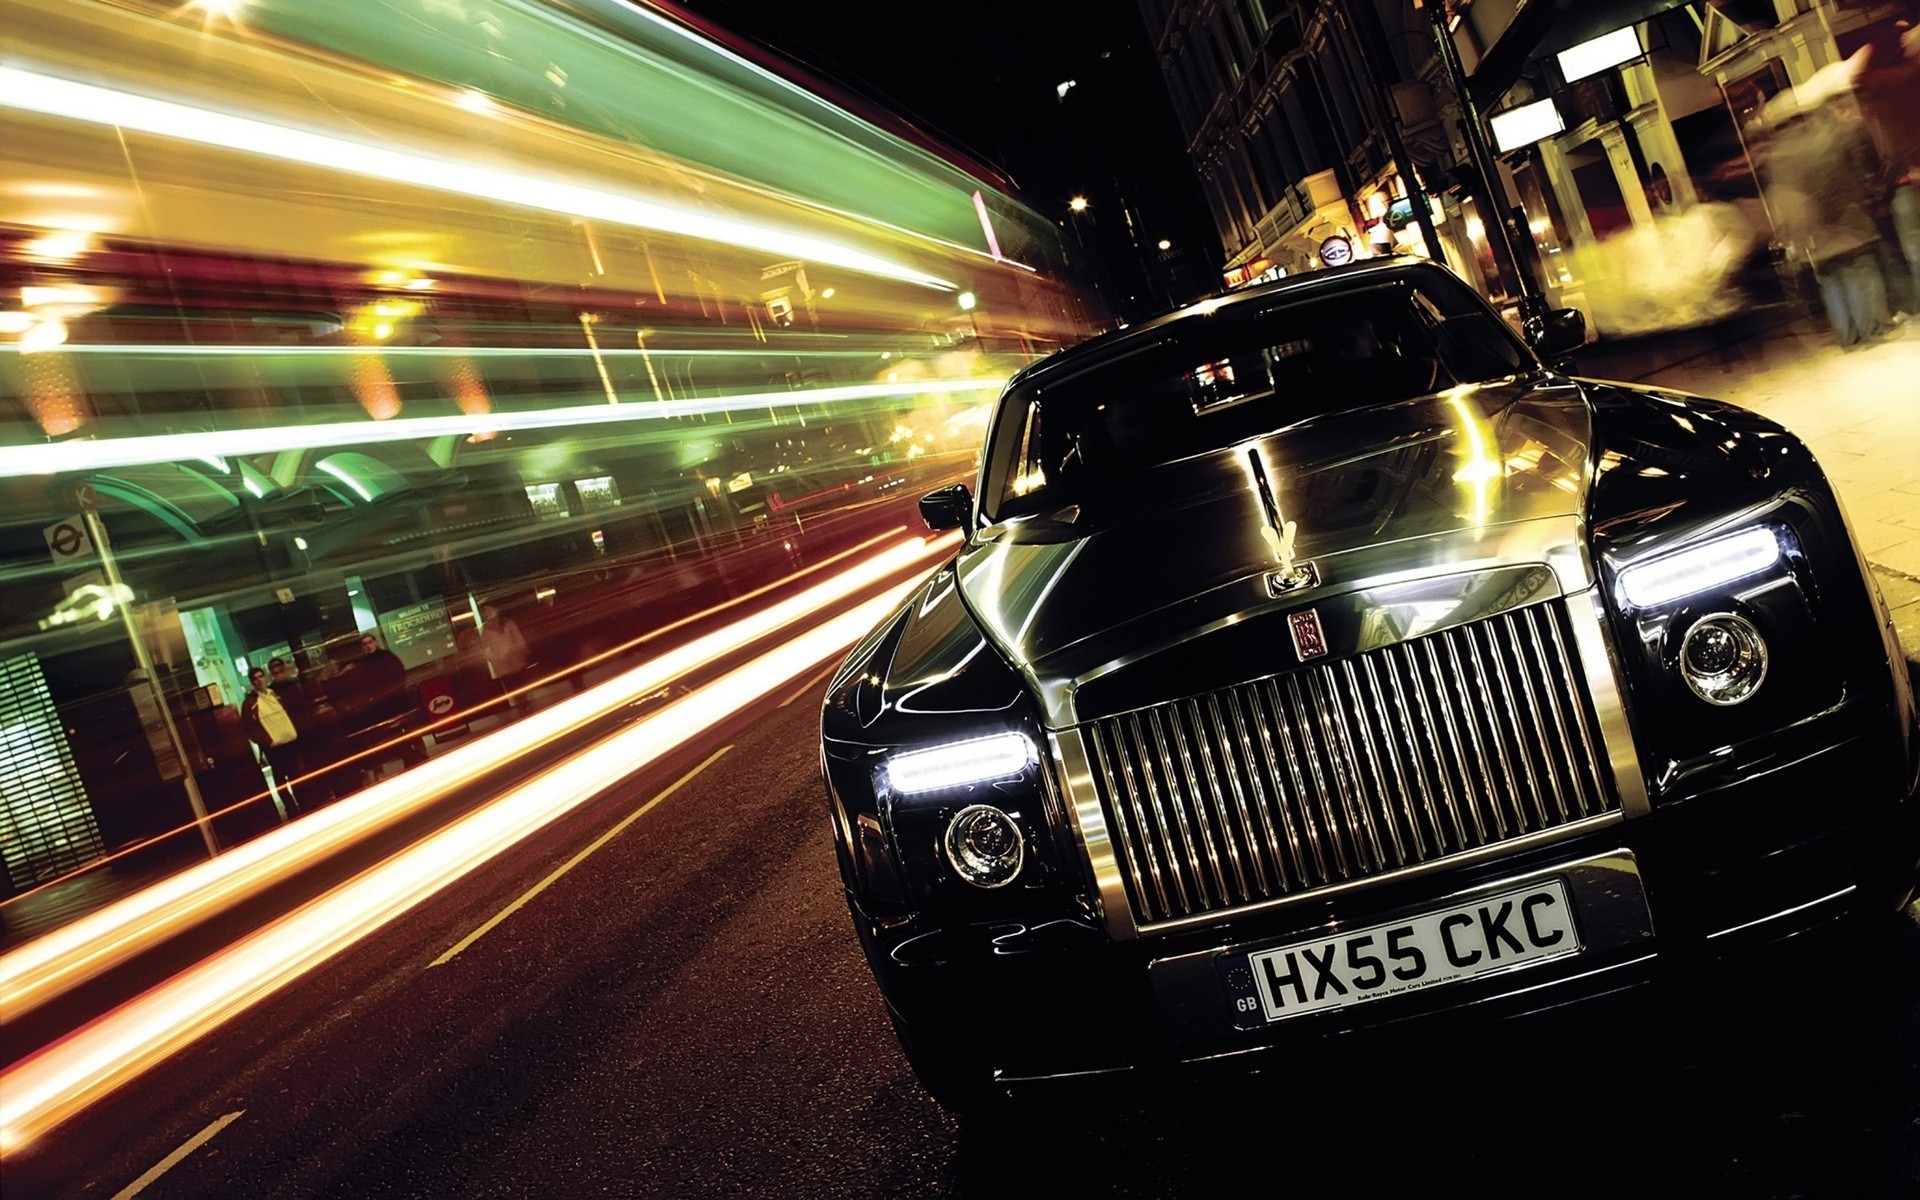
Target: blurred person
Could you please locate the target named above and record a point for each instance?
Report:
(1683, 269)
(1823, 179)
(506, 650)
(473, 681)
(375, 705)
(1889, 91)
(270, 728)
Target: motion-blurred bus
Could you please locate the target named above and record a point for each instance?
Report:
(327, 320)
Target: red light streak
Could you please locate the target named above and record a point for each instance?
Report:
(55, 1083)
(48, 967)
(497, 703)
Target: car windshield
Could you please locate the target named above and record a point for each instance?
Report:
(1243, 371)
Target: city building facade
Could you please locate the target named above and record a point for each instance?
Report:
(1643, 181)
(1626, 138)
(1292, 110)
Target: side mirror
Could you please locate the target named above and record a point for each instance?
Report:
(948, 508)
(1558, 333)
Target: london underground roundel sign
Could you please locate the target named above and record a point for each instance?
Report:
(1336, 251)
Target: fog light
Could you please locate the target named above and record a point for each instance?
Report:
(1723, 659)
(984, 846)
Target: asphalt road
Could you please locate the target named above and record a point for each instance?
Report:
(685, 1013)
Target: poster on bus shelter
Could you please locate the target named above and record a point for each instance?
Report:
(418, 633)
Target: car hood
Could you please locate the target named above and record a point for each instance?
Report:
(1472, 478)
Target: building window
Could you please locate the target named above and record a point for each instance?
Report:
(1194, 72)
(1266, 167)
(1308, 121)
(1187, 96)
(1340, 92)
(1252, 203)
(1229, 69)
(1281, 146)
(1222, 206)
(1242, 40)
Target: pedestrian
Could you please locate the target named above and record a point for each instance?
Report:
(506, 650)
(474, 687)
(1823, 181)
(311, 751)
(377, 708)
(270, 729)
(1889, 91)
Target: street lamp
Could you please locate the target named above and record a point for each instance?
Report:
(1078, 204)
(1164, 244)
(967, 303)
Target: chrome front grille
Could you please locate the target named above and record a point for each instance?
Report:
(1343, 770)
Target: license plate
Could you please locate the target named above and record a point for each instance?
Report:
(1495, 933)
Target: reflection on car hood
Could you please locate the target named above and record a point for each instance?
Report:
(1395, 489)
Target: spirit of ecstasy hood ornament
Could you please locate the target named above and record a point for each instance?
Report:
(1278, 534)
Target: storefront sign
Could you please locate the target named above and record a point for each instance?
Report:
(1600, 54)
(1525, 125)
(418, 633)
(1336, 251)
(1250, 273)
(436, 696)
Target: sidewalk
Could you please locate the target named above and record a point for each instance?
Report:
(1858, 410)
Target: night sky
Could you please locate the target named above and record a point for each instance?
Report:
(984, 75)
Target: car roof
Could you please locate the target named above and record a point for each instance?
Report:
(1116, 342)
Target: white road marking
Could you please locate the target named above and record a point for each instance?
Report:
(173, 1160)
(577, 859)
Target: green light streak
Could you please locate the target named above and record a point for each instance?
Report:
(104, 453)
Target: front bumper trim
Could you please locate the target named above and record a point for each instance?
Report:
(1831, 898)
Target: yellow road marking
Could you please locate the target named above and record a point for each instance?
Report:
(173, 1160)
(577, 859)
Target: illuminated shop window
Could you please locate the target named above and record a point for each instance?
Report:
(546, 500)
(597, 493)
(46, 824)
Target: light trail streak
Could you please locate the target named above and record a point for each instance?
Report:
(498, 703)
(64, 1078)
(960, 176)
(141, 450)
(47, 967)
(32, 91)
(196, 350)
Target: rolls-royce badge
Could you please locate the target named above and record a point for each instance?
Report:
(1309, 640)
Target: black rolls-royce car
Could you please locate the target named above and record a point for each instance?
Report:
(1319, 657)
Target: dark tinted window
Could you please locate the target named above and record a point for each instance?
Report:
(1243, 371)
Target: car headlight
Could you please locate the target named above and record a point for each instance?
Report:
(1723, 658)
(984, 846)
(1700, 567)
(976, 760)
